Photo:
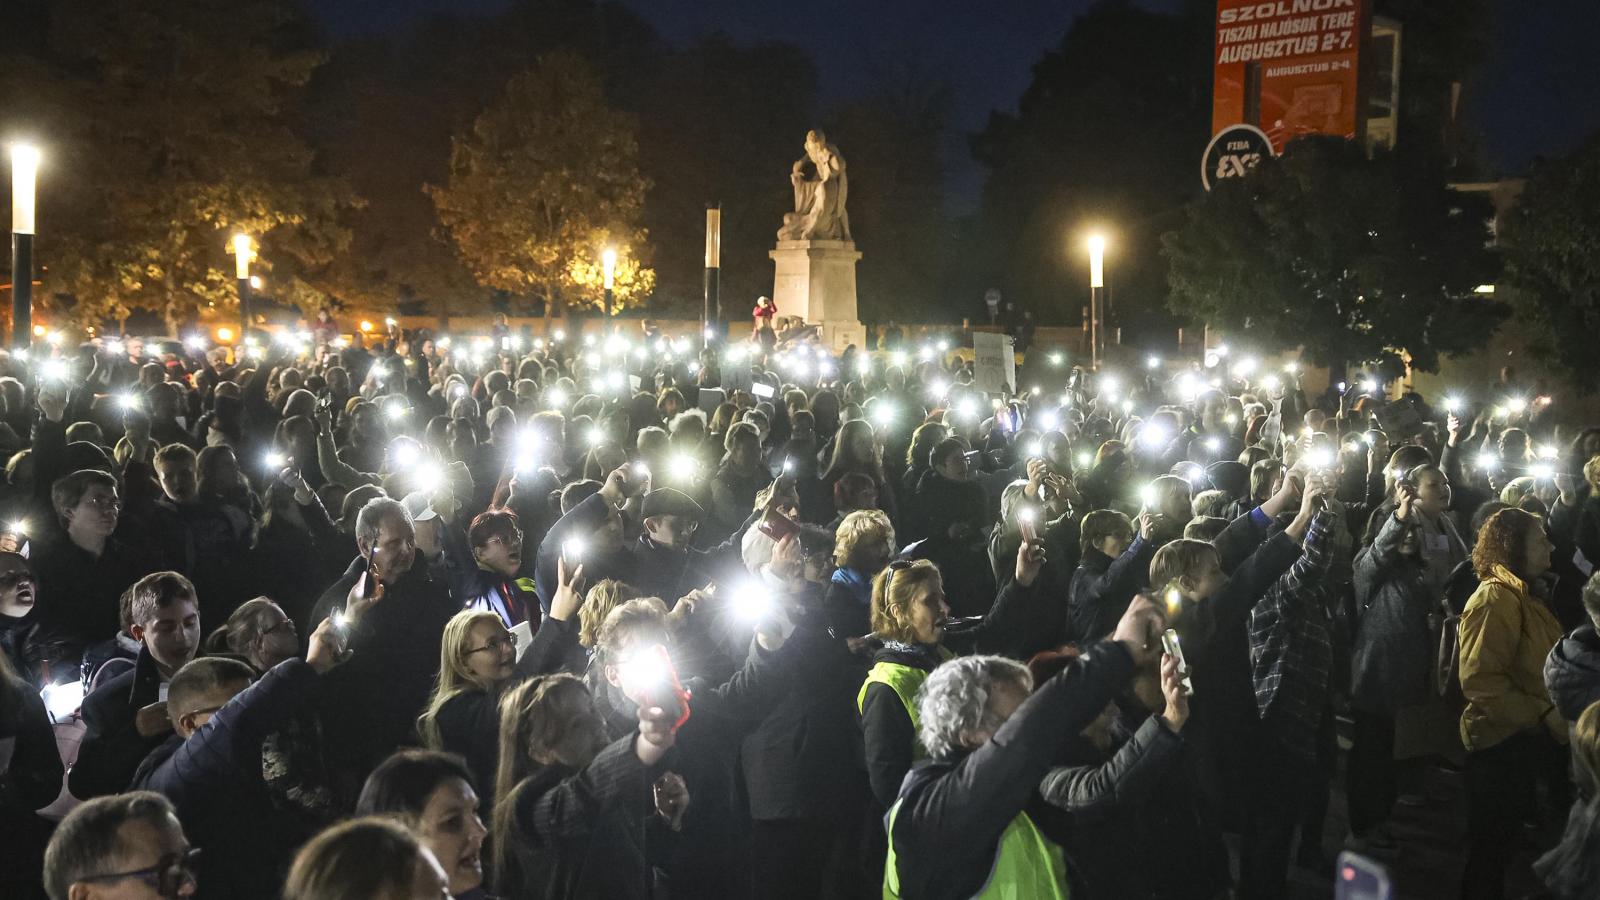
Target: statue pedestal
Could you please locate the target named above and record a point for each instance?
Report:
(816, 280)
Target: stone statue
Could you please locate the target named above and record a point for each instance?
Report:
(819, 196)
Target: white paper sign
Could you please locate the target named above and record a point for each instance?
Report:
(994, 362)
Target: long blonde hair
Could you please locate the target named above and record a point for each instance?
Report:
(532, 726)
(454, 676)
(1586, 742)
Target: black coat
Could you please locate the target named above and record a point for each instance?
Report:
(804, 761)
(79, 593)
(369, 705)
(952, 811)
(112, 747)
(31, 781)
(580, 834)
(214, 779)
(1103, 587)
(1105, 805)
(469, 722)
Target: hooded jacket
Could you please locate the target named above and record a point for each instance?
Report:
(1572, 672)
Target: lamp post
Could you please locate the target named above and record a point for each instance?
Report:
(608, 263)
(24, 178)
(713, 286)
(1097, 285)
(242, 254)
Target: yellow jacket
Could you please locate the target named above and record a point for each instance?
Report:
(1505, 635)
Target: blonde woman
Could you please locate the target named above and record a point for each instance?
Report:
(571, 817)
(863, 545)
(909, 614)
(478, 664)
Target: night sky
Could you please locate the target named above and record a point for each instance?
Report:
(1538, 95)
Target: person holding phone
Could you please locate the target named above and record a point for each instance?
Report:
(370, 706)
(967, 822)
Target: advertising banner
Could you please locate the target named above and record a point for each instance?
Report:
(1288, 67)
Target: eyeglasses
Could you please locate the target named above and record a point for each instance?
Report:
(285, 625)
(103, 502)
(507, 641)
(167, 877)
(11, 579)
(509, 544)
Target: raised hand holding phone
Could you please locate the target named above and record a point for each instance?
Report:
(564, 603)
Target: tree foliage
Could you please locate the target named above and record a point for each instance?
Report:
(166, 128)
(1109, 136)
(1354, 259)
(1549, 242)
(543, 181)
(892, 140)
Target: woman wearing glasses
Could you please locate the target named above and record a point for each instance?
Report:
(477, 665)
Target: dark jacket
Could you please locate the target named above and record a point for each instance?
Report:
(78, 592)
(1572, 672)
(469, 722)
(1392, 658)
(214, 779)
(804, 760)
(32, 778)
(112, 747)
(709, 859)
(580, 834)
(369, 705)
(952, 811)
(1107, 803)
(888, 738)
(1103, 587)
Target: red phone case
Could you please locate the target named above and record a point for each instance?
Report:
(777, 526)
(676, 689)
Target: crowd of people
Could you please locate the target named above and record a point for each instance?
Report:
(624, 615)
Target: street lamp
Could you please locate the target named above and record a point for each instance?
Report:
(713, 286)
(242, 254)
(608, 263)
(1097, 284)
(24, 178)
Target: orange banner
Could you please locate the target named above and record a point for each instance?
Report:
(1288, 67)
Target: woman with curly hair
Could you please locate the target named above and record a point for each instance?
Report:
(1505, 634)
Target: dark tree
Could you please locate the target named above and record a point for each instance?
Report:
(1109, 135)
(167, 128)
(1356, 259)
(1549, 242)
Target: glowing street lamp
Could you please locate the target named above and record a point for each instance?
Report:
(713, 283)
(608, 264)
(1097, 284)
(243, 252)
(24, 179)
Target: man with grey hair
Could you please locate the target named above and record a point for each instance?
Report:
(961, 826)
(370, 706)
(124, 846)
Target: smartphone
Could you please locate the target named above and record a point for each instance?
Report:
(1358, 878)
(370, 586)
(777, 526)
(572, 552)
(1174, 648)
(667, 691)
(1025, 525)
